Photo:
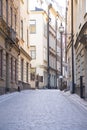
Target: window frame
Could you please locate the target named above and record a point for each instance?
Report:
(32, 25)
(33, 52)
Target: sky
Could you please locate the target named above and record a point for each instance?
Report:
(59, 5)
(61, 2)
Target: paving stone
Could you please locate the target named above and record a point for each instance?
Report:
(41, 110)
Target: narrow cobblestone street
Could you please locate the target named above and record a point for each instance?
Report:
(41, 110)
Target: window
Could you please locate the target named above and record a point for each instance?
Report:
(26, 72)
(15, 70)
(11, 16)
(7, 11)
(27, 38)
(33, 52)
(32, 76)
(0, 7)
(27, 5)
(22, 29)
(45, 54)
(45, 30)
(22, 68)
(1, 59)
(32, 26)
(45, 78)
(11, 69)
(41, 78)
(15, 21)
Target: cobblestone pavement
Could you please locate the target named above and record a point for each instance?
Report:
(41, 110)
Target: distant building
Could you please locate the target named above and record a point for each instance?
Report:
(38, 50)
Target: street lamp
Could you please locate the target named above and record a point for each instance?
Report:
(61, 30)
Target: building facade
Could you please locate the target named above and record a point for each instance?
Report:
(9, 49)
(39, 50)
(24, 57)
(80, 41)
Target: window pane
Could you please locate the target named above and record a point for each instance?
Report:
(22, 29)
(33, 52)
(11, 68)
(15, 70)
(32, 26)
(45, 30)
(26, 72)
(11, 16)
(15, 17)
(45, 54)
(22, 68)
(27, 38)
(1, 59)
(28, 5)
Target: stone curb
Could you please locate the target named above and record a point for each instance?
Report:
(76, 98)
